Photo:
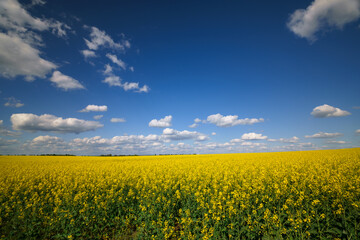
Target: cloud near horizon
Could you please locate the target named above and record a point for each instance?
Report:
(50, 123)
(231, 120)
(324, 135)
(253, 136)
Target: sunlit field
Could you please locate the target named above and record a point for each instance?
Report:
(290, 195)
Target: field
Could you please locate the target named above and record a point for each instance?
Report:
(290, 195)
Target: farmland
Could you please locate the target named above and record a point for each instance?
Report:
(289, 195)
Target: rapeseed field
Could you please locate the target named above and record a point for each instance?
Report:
(288, 195)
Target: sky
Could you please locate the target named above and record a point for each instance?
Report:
(178, 77)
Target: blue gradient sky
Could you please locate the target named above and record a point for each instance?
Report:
(244, 58)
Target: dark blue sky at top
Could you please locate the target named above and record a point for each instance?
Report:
(198, 58)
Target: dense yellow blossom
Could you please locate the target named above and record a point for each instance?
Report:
(298, 195)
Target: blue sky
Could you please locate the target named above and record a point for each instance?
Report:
(149, 77)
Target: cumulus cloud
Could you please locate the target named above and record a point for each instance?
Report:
(65, 82)
(99, 38)
(5, 142)
(117, 120)
(94, 108)
(97, 117)
(5, 132)
(14, 16)
(88, 53)
(113, 81)
(253, 136)
(116, 81)
(161, 123)
(325, 111)
(59, 28)
(41, 140)
(19, 58)
(336, 142)
(231, 120)
(196, 123)
(323, 14)
(108, 70)
(20, 41)
(324, 135)
(13, 102)
(144, 89)
(117, 61)
(47, 144)
(172, 134)
(46, 122)
(294, 139)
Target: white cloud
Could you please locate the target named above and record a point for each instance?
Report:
(19, 58)
(325, 111)
(324, 135)
(117, 120)
(113, 81)
(231, 120)
(108, 70)
(161, 123)
(196, 123)
(47, 144)
(357, 131)
(336, 142)
(5, 132)
(94, 108)
(117, 61)
(59, 28)
(65, 82)
(97, 117)
(131, 68)
(322, 14)
(130, 86)
(46, 122)
(41, 140)
(99, 38)
(14, 16)
(116, 81)
(20, 41)
(5, 143)
(144, 89)
(37, 2)
(213, 133)
(285, 140)
(13, 102)
(252, 144)
(253, 136)
(172, 134)
(88, 53)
